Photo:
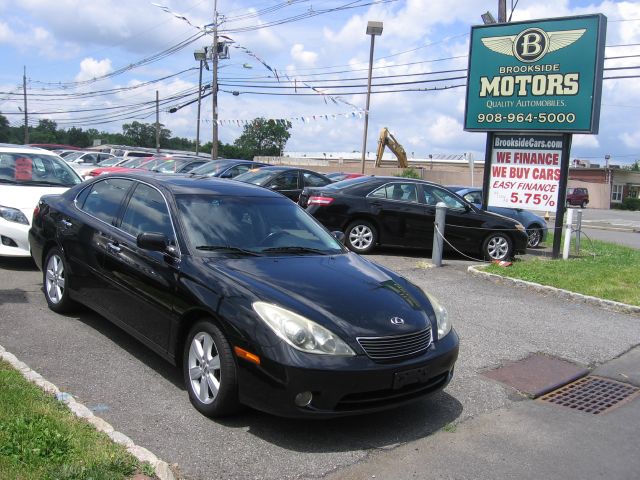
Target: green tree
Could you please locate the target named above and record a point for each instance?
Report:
(144, 134)
(263, 137)
(46, 132)
(5, 129)
(78, 138)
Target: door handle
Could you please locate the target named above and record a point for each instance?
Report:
(114, 248)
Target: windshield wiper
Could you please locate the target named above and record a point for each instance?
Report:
(6, 180)
(46, 182)
(295, 250)
(214, 248)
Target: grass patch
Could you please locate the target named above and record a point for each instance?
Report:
(604, 270)
(40, 439)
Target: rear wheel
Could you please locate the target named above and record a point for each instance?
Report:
(55, 282)
(209, 371)
(535, 236)
(497, 246)
(583, 204)
(361, 236)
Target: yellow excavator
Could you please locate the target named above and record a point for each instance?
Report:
(387, 139)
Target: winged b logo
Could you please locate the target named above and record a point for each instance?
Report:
(532, 44)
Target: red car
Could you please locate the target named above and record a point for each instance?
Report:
(127, 166)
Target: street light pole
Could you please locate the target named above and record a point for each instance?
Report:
(199, 101)
(373, 29)
(214, 86)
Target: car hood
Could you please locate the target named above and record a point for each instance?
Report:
(344, 291)
(25, 197)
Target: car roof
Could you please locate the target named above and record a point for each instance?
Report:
(10, 147)
(180, 184)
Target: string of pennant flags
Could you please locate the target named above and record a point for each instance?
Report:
(283, 121)
(335, 99)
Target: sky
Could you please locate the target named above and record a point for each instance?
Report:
(309, 50)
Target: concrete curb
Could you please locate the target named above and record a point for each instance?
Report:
(588, 299)
(162, 469)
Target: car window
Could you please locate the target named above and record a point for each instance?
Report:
(238, 170)
(313, 180)
(473, 197)
(285, 181)
(105, 197)
(147, 212)
(190, 166)
(36, 169)
(434, 195)
(397, 191)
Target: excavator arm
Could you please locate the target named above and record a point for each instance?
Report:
(387, 139)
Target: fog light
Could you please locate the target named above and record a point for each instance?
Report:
(303, 399)
(8, 242)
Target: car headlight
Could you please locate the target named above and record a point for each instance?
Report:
(13, 215)
(442, 317)
(300, 332)
(520, 227)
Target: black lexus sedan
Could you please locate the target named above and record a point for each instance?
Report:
(225, 168)
(252, 297)
(398, 211)
(289, 181)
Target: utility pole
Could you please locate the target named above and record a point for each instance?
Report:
(26, 116)
(502, 11)
(199, 101)
(214, 86)
(157, 122)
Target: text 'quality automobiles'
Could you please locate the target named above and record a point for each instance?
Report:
(250, 295)
(401, 212)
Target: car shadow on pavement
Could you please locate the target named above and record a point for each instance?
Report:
(130, 344)
(18, 264)
(379, 430)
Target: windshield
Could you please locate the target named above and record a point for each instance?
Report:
(134, 162)
(210, 169)
(347, 182)
(110, 162)
(36, 169)
(257, 177)
(252, 225)
(73, 156)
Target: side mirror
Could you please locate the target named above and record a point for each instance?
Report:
(338, 235)
(156, 242)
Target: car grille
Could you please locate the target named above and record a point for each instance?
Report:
(397, 346)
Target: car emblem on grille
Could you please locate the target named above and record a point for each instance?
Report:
(397, 320)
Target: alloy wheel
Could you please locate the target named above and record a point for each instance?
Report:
(498, 248)
(55, 279)
(535, 236)
(204, 368)
(361, 237)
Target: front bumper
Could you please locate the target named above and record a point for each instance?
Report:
(351, 386)
(14, 241)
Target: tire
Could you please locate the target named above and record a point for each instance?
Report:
(583, 204)
(207, 355)
(361, 236)
(55, 280)
(535, 236)
(497, 246)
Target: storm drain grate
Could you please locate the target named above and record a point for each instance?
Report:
(592, 395)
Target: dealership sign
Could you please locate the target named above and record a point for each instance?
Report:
(525, 171)
(543, 75)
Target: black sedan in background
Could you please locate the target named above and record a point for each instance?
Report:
(227, 168)
(244, 290)
(400, 212)
(289, 181)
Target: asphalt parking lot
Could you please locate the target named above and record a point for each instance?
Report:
(142, 396)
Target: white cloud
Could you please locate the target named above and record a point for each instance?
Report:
(91, 68)
(631, 139)
(302, 56)
(585, 141)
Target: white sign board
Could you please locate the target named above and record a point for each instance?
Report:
(525, 171)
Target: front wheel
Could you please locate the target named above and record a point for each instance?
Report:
(535, 237)
(497, 246)
(55, 282)
(209, 371)
(583, 204)
(361, 236)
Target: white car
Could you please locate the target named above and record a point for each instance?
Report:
(26, 174)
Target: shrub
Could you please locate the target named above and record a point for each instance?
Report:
(409, 173)
(631, 203)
